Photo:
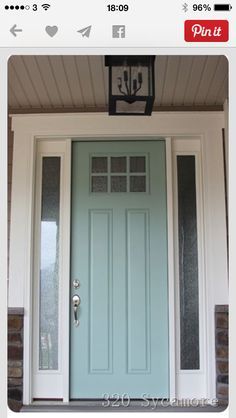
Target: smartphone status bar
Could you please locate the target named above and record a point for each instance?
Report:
(122, 24)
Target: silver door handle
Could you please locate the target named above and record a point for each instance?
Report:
(76, 303)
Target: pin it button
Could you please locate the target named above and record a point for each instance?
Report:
(206, 31)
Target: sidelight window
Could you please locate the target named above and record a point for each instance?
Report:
(49, 264)
(188, 262)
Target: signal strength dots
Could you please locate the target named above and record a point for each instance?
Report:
(46, 6)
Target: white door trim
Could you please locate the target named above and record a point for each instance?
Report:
(191, 382)
(171, 277)
(28, 128)
(54, 382)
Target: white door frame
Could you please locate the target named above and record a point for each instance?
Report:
(204, 126)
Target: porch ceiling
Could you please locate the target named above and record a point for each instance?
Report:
(79, 83)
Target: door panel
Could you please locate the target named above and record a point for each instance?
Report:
(100, 291)
(138, 296)
(119, 254)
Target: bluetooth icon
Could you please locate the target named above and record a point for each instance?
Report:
(185, 7)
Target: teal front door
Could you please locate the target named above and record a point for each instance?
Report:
(119, 324)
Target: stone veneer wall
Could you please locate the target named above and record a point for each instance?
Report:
(15, 358)
(222, 362)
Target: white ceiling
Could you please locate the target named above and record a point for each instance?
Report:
(80, 83)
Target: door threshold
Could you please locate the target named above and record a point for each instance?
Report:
(96, 405)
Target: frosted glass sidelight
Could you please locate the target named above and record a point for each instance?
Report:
(188, 263)
(49, 264)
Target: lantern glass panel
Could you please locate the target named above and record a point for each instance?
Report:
(137, 77)
(125, 107)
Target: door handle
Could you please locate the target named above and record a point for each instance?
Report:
(76, 303)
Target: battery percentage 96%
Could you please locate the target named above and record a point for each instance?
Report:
(201, 8)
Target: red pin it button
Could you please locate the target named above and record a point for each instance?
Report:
(206, 31)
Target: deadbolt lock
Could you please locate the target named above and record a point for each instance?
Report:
(76, 283)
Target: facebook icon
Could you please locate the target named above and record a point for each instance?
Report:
(118, 31)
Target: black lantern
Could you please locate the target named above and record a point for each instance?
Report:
(131, 84)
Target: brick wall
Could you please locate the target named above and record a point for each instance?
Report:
(222, 363)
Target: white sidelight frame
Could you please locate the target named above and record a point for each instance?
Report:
(52, 381)
(61, 129)
(191, 381)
